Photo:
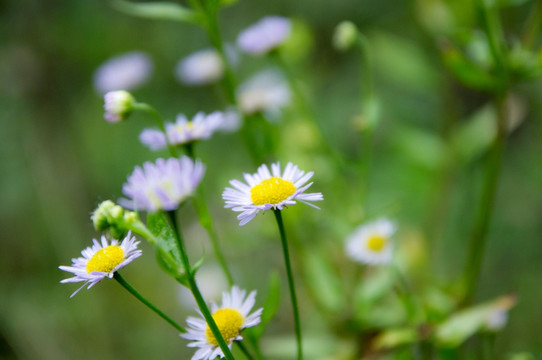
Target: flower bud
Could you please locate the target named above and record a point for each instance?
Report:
(100, 216)
(118, 105)
(345, 36)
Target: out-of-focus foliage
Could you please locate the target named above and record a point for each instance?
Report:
(433, 72)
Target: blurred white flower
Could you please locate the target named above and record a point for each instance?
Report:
(266, 91)
(118, 105)
(124, 72)
(267, 34)
(202, 67)
(371, 243)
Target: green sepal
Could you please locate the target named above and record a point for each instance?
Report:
(157, 11)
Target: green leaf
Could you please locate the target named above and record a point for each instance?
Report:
(324, 282)
(165, 239)
(391, 338)
(465, 323)
(157, 11)
(468, 72)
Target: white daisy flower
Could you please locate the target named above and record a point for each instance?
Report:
(266, 91)
(371, 243)
(124, 72)
(230, 318)
(264, 36)
(269, 190)
(118, 105)
(201, 127)
(101, 260)
(162, 185)
(202, 67)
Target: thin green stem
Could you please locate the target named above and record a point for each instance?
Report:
(532, 26)
(405, 294)
(291, 286)
(492, 27)
(206, 222)
(146, 302)
(195, 290)
(479, 233)
(159, 121)
(244, 350)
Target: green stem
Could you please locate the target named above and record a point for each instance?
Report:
(195, 290)
(532, 26)
(159, 121)
(492, 27)
(206, 222)
(405, 294)
(147, 303)
(244, 350)
(213, 32)
(487, 200)
(291, 286)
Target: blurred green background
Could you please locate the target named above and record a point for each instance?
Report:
(59, 159)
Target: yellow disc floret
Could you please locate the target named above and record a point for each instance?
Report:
(106, 259)
(229, 322)
(271, 191)
(376, 242)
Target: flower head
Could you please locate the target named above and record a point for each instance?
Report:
(118, 105)
(101, 260)
(127, 71)
(162, 185)
(269, 190)
(267, 34)
(231, 318)
(202, 126)
(371, 243)
(265, 92)
(202, 67)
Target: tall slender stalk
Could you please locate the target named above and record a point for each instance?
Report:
(146, 302)
(479, 233)
(206, 222)
(291, 285)
(195, 290)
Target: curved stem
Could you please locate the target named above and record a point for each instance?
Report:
(206, 222)
(195, 290)
(147, 303)
(291, 286)
(244, 350)
(159, 121)
(487, 200)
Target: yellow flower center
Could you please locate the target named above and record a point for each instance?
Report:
(271, 191)
(229, 322)
(106, 259)
(376, 242)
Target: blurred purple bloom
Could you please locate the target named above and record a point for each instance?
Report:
(265, 35)
(162, 185)
(183, 131)
(202, 67)
(123, 72)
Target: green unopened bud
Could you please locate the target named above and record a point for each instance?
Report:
(130, 217)
(118, 105)
(100, 216)
(116, 213)
(345, 36)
